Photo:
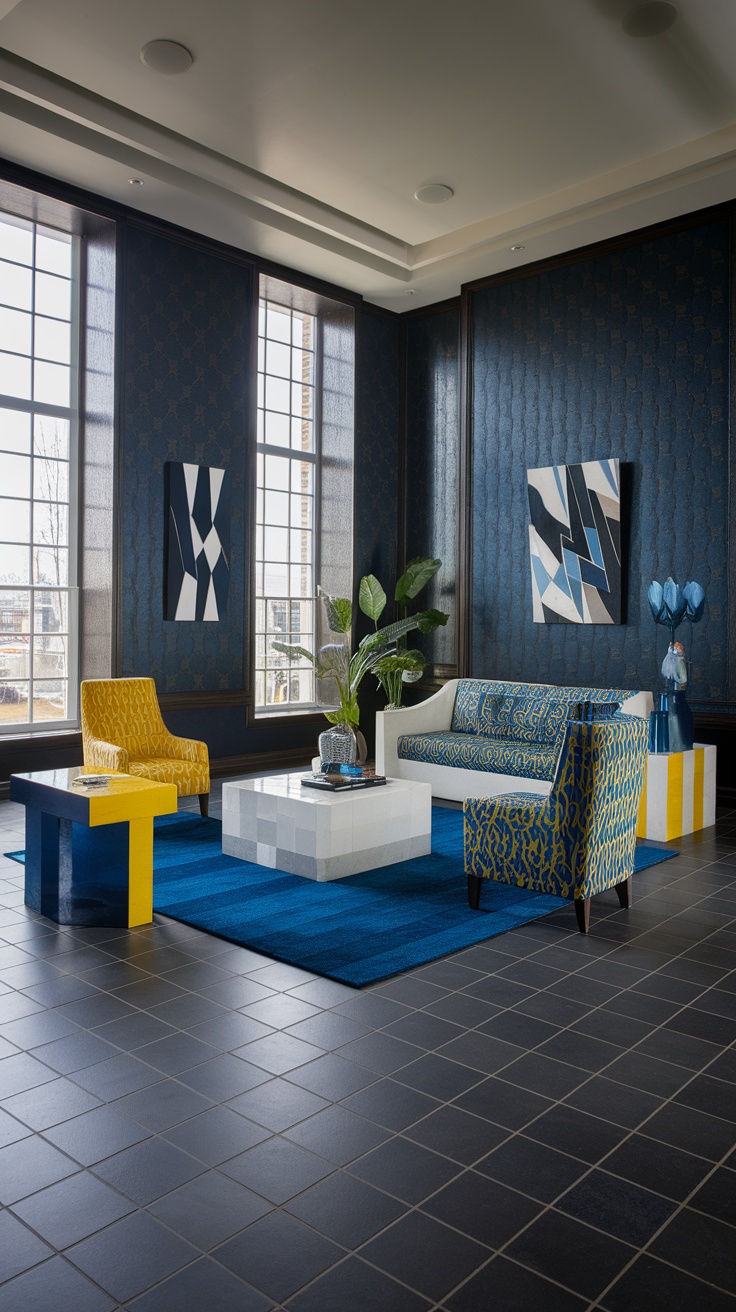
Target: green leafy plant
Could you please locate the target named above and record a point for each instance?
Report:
(334, 661)
(394, 671)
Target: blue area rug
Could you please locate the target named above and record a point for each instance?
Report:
(355, 930)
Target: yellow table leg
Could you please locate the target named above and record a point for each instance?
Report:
(140, 872)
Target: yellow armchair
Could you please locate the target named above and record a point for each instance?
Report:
(122, 729)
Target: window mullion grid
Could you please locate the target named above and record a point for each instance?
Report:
(73, 616)
(298, 520)
(66, 593)
(32, 577)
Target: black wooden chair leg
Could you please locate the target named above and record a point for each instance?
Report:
(204, 804)
(625, 892)
(474, 887)
(582, 913)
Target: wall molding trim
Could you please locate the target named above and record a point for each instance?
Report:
(291, 758)
(199, 701)
(711, 214)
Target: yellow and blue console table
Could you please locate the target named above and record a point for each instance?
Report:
(89, 855)
(679, 794)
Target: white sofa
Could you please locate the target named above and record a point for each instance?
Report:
(435, 715)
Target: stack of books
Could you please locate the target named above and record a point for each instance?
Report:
(338, 783)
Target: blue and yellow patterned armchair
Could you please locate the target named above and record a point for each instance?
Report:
(122, 729)
(578, 841)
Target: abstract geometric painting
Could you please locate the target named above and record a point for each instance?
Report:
(196, 541)
(575, 543)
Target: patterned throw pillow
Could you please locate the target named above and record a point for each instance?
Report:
(530, 713)
(524, 719)
(469, 699)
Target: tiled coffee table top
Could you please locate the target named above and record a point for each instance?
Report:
(541, 1121)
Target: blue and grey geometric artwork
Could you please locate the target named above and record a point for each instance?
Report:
(575, 543)
(197, 541)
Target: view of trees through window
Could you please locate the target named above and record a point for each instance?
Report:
(287, 496)
(37, 476)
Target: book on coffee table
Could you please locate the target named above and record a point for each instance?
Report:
(338, 783)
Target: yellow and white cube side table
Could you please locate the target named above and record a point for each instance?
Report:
(679, 793)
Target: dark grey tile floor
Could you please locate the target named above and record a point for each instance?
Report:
(543, 1120)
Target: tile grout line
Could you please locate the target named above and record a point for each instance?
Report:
(485, 1075)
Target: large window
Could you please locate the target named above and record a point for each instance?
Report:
(288, 443)
(38, 476)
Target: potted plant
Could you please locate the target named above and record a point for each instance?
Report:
(334, 661)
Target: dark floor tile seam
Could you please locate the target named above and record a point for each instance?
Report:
(78, 1270)
(662, 926)
(708, 1216)
(646, 976)
(138, 1209)
(352, 1253)
(707, 1284)
(618, 1049)
(600, 1166)
(357, 1250)
(666, 1100)
(507, 1258)
(438, 1051)
(445, 991)
(586, 961)
(135, 1210)
(162, 1077)
(680, 909)
(644, 1249)
(466, 1166)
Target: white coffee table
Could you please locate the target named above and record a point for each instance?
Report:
(276, 822)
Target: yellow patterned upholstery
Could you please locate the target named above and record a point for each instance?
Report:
(122, 729)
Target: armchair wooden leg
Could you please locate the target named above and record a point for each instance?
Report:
(582, 913)
(204, 804)
(474, 887)
(625, 892)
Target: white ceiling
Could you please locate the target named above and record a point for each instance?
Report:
(304, 127)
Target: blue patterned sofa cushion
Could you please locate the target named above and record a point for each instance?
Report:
(525, 719)
(494, 708)
(475, 752)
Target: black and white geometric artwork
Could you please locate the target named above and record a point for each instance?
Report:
(575, 543)
(197, 541)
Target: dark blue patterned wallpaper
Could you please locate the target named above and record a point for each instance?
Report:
(376, 446)
(186, 323)
(624, 354)
(432, 406)
(376, 502)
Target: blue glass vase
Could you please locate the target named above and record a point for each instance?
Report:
(681, 726)
(659, 731)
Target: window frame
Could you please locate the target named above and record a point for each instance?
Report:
(30, 728)
(307, 709)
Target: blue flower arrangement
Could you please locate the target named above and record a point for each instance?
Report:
(670, 605)
(671, 727)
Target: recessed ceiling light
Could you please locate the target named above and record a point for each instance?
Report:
(167, 57)
(517, 248)
(434, 193)
(136, 182)
(649, 19)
